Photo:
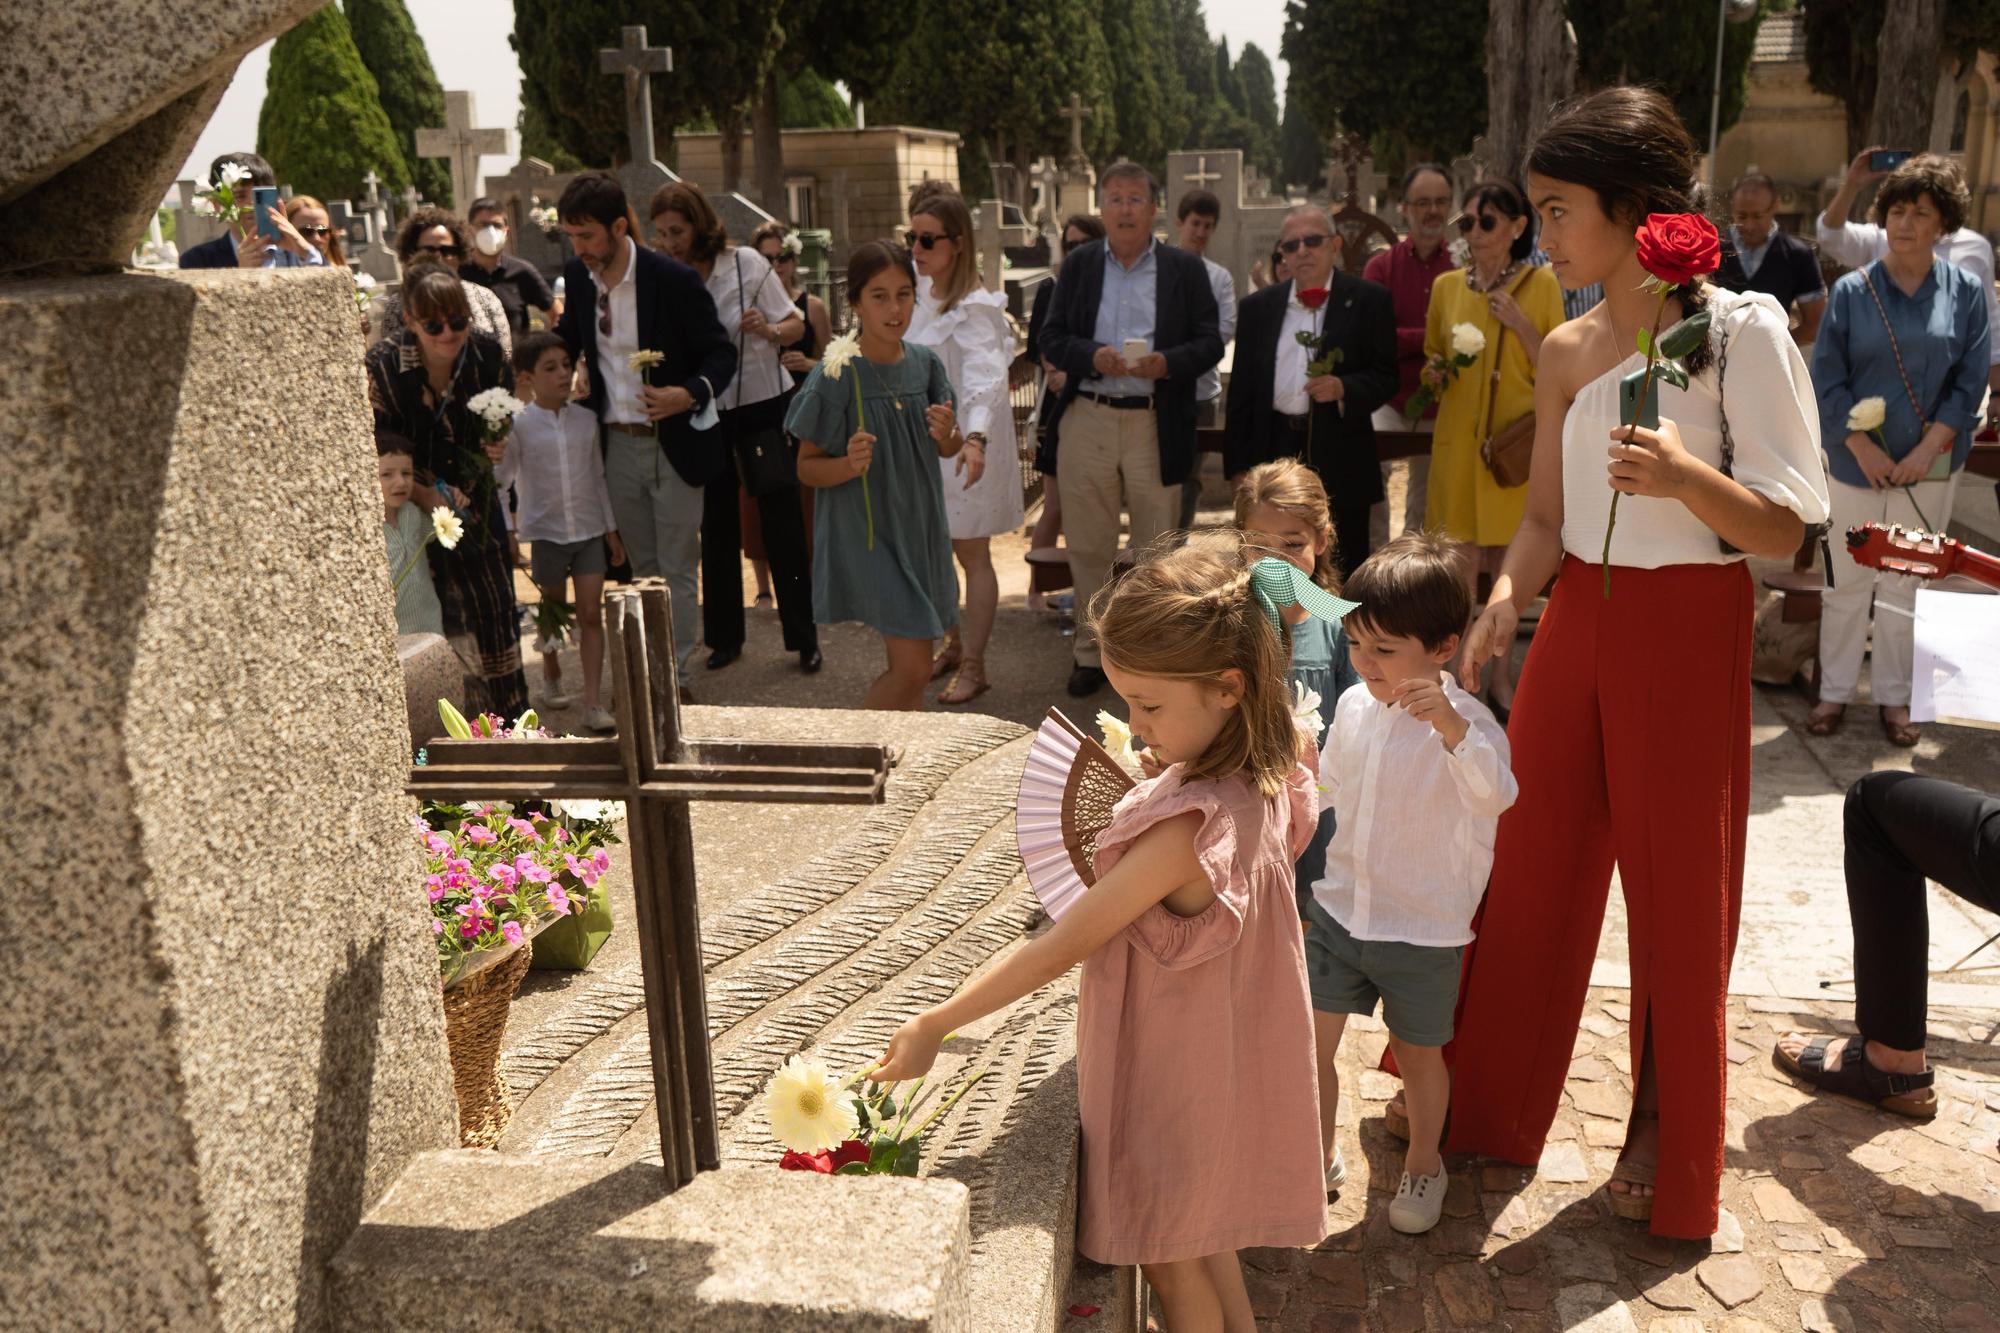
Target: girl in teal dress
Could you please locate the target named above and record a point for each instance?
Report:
(1284, 505)
(881, 541)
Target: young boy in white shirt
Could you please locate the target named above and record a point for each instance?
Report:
(1417, 772)
(556, 469)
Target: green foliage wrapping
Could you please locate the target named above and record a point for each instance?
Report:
(395, 54)
(1670, 47)
(322, 126)
(1410, 77)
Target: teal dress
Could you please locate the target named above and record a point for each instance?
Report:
(1320, 663)
(905, 588)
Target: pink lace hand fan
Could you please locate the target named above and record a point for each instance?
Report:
(1068, 788)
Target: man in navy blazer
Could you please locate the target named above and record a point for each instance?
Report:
(1132, 324)
(231, 250)
(621, 298)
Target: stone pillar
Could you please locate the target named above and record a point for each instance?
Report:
(219, 1004)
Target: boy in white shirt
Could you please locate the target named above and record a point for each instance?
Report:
(556, 468)
(1417, 772)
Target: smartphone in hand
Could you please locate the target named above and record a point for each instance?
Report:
(1630, 411)
(263, 199)
(1887, 159)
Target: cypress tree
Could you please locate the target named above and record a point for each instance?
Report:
(322, 126)
(395, 54)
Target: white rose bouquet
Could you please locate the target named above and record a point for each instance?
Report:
(496, 410)
(1467, 342)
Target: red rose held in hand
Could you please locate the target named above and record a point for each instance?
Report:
(1677, 248)
(1312, 298)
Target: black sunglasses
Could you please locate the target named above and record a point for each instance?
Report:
(315, 231)
(603, 313)
(1485, 221)
(448, 251)
(436, 327)
(926, 239)
(1312, 241)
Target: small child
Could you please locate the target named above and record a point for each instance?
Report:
(406, 528)
(1194, 1050)
(1417, 773)
(556, 468)
(1282, 510)
(870, 433)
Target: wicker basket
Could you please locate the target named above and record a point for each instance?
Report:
(475, 1019)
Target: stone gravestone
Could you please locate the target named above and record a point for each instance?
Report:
(461, 143)
(532, 183)
(1362, 232)
(191, 228)
(1076, 191)
(1248, 227)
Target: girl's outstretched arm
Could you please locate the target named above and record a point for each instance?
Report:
(1161, 860)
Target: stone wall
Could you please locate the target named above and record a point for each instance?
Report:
(219, 1006)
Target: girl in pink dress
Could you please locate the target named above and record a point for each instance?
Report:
(1196, 1083)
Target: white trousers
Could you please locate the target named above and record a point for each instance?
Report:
(1843, 621)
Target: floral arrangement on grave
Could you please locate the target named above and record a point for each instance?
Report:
(1674, 249)
(496, 874)
(1323, 358)
(1467, 342)
(1867, 416)
(218, 198)
(833, 361)
(446, 529)
(829, 1126)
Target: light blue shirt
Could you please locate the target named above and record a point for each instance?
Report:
(1751, 259)
(1127, 309)
(277, 256)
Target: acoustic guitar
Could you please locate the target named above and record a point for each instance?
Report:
(1925, 555)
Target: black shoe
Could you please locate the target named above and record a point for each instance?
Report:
(722, 657)
(810, 661)
(1085, 681)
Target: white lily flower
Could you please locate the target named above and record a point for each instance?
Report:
(838, 353)
(233, 173)
(447, 527)
(1305, 710)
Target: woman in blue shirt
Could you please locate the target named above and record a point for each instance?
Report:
(1909, 330)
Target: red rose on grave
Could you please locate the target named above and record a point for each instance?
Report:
(1312, 298)
(821, 1161)
(854, 1150)
(1677, 248)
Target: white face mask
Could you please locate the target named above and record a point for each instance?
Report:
(489, 239)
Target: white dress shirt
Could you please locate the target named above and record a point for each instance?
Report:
(740, 281)
(1858, 243)
(622, 402)
(1773, 420)
(1224, 286)
(555, 467)
(1288, 380)
(1414, 823)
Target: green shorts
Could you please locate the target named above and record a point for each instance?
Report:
(1416, 983)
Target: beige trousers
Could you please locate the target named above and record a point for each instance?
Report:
(1110, 464)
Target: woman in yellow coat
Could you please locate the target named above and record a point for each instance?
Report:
(1514, 304)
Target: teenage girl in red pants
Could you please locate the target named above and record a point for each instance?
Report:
(1631, 731)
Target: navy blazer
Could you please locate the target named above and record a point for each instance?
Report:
(676, 318)
(1187, 329)
(1359, 319)
(218, 253)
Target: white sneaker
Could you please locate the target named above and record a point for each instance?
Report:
(1336, 1172)
(1419, 1202)
(599, 719)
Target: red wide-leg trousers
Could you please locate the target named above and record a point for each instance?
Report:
(1631, 742)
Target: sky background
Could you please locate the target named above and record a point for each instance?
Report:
(468, 46)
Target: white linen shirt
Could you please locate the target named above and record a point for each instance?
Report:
(555, 467)
(1224, 286)
(759, 376)
(1413, 822)
(622, 402)
(1288, 377)
(1857, 243)
(1773, 420)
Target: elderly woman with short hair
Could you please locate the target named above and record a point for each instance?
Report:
(1910, 330)
(421, 383)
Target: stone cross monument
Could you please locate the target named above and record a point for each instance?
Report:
(463, 144)
(638, 62)
(1077, 113)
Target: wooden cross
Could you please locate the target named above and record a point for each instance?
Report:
(656, 772)
(1201, 175)
(638, 62)
(462, 144)
(1077, 113)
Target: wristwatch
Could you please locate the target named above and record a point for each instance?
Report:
(977, 437)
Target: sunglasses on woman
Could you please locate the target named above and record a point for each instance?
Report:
(448, 251)
(436, 327)
(315, 231)
(1311, 241)
(926, 239)
(1485, 222)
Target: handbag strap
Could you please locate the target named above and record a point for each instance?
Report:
(1916, 404)
(736, 257)
(1493, 386)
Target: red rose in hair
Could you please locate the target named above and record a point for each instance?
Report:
(1677, 248)
(1312, 298)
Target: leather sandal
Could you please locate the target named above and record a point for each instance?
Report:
(1909, 1095)
(1396, 1119)
(971, 671)
(1633, 1207)
(947, 658)
(1826, 724)
(1905, 734)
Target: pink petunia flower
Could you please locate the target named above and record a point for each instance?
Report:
(479, 835)
(532, 870)
(559, 900)
(524, 828)
(437, 927)
(512, 930)
(601, 859)
(504, 874)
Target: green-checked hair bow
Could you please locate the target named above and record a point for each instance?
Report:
(1279, 583)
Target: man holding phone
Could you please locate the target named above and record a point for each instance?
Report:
(1857, 243)
(262, 236)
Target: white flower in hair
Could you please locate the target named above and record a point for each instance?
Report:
(791, 247)
(838, 353)
(1868, 414)
(1467, 339)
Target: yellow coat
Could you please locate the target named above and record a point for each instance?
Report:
(1463, 499)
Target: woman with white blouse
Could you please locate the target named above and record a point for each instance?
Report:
(966, 325)
(1631, 727)
(758, 315)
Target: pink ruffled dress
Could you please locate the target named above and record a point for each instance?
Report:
(1197, 1085)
